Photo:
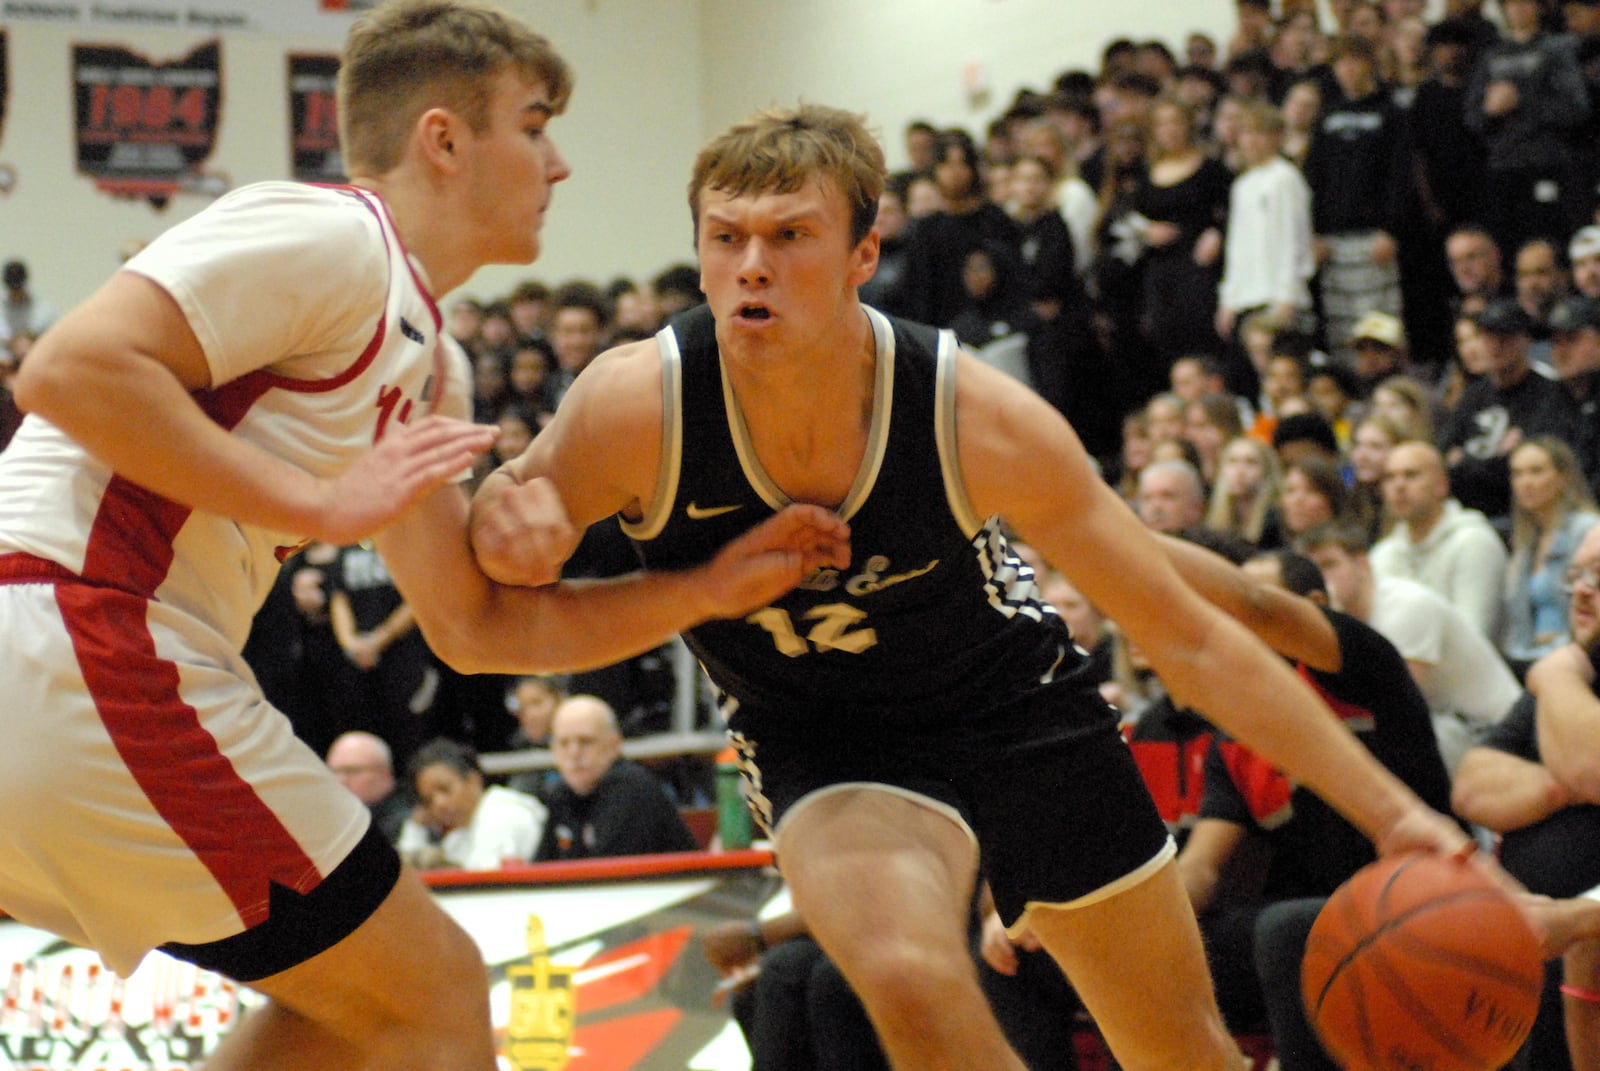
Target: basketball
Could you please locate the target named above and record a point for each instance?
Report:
(1421, 962)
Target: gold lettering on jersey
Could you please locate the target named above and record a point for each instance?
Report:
(543, 1008)
(869, 580)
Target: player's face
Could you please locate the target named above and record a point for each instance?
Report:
(779, 269)
(512, 170)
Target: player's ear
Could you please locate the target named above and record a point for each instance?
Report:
(436, 134)
(864, 258)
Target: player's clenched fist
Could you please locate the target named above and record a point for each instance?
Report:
(521, 533)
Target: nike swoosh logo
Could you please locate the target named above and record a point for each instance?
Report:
(700, 513)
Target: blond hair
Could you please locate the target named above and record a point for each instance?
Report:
(407, 56)
(1223, 512)
(779, 150)
(1575, 492)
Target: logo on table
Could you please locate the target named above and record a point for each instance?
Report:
(543, 1008)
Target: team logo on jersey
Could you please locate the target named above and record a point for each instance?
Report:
(872, 578)
(542, 1008)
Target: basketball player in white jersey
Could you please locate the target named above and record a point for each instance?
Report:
(894, 716)
(214, 406)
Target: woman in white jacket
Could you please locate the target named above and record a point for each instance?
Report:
(461, 822)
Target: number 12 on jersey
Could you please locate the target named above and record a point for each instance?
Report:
(834, 629)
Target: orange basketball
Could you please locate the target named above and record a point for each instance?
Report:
(1421, 961)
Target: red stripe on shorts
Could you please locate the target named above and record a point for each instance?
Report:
(174, 759)
(231, 831)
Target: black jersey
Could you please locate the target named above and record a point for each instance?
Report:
(935, 620)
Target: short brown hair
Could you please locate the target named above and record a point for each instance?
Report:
(779, 150)
(406, 56)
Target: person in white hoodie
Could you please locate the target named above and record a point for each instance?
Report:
(1468, 686)
(479, 827)
(1267, 252)
(1435, 540)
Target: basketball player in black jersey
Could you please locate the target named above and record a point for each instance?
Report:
(895, 714)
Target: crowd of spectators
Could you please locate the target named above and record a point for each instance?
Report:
(1329, 290)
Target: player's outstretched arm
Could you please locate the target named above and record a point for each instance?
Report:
(1207, 660)
(1288, 623)
(115, 375)
(598, 457)
(480, 626)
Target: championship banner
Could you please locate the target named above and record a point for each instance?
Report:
(8, 177)
(593, 966)
(145, 128)
(314, 119)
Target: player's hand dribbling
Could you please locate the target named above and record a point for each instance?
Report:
(773, 558)
(1422, 829)
(410, 462)
(521, 534)
(1425, 830)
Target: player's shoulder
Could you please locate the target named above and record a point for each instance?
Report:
(616, 399)
(631, 368)
(285, 222)
(331, 205)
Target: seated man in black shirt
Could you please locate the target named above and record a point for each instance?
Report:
(604, 805)
(1263, 845)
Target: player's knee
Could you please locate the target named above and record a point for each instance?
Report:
(908, 980)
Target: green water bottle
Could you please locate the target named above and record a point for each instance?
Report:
(734, 827)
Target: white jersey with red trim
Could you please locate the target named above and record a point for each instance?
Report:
(319, 332)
